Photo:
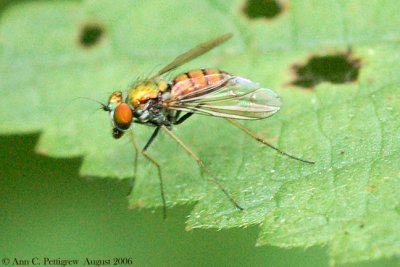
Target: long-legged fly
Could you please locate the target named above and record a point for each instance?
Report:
(162, 104)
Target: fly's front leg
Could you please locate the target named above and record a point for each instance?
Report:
(203, 166)
(136, 147)
(155, 163)
(252, 134)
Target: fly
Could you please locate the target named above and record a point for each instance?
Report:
(161, 104)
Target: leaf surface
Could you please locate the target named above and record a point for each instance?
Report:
(348, 199)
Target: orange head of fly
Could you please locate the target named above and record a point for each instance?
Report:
(121, 114)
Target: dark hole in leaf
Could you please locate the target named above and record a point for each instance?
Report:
(91, 34)
(262, 8)
(335, 68)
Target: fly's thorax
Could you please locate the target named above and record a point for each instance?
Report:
(144, 99)
(144, 91)
(151, 112)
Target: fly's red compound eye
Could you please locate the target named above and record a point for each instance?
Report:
(123, 116)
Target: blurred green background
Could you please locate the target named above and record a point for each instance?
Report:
(47, 210)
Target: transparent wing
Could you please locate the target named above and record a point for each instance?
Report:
(232, 97)
(195, 52)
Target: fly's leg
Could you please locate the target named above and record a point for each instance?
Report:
(182, 118)
(202, 165)
(136, 147)
(179, 120)
(247, 131)
(144, 153)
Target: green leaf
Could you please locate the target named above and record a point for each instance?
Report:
(347, 200)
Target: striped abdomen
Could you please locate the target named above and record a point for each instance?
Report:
(197, 81)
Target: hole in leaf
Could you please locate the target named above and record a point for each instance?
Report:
(262, 8)
(91, 34)
(334, 68)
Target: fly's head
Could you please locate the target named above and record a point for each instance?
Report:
(120, 113)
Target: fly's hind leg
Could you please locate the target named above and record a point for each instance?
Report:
(252, 134)
(155, 163)
(202, 165)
